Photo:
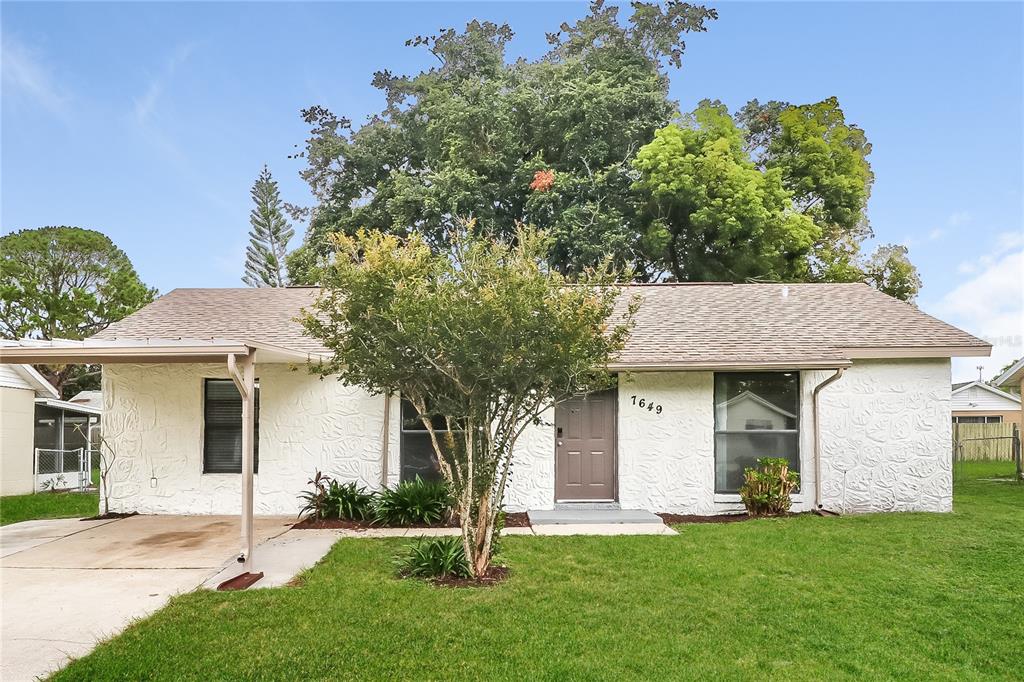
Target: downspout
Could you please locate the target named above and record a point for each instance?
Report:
(384, 445)
(817, 436)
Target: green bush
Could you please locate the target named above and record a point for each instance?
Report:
(413, 503)
(766, 491)
(435, 558)
(316, 499)
(348, 501)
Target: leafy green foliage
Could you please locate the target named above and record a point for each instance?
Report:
(413, 503)
(434, 558)
(889, 270)
(723, 219)
(269, 236)
(348, 501)
(67, 283)
(824, 164)
(467, 137)
(485, 336)
(316, 498)
(766, 490)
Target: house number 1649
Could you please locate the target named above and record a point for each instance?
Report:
(649, 405)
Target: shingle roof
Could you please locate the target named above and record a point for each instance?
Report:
(676, 325)
(732, 324)
(264, 315)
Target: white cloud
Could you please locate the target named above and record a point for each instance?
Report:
(24, 73)
(144, 104)
(959, 218)
(937, 233)
(989, 305)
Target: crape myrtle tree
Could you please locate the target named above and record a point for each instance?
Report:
(547, 141)
(485, 337)
(65, 283)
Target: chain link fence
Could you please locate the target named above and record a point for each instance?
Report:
(62, 469)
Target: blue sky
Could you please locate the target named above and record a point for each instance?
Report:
(150, 121)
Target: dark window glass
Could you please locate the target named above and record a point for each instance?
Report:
(417, 452)
(756, 415)
(47, 431)
(222, 428)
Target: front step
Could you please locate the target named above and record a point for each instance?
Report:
(576, 506)
(578, 515)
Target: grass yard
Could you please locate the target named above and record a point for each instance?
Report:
(15, 508)
(912, 596)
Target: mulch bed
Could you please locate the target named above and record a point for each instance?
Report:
(671, 519)
(512, 520)
(111, 515)
(517, 520)
(494, 576)
(360, 525)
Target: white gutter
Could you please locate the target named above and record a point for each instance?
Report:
(817, 433)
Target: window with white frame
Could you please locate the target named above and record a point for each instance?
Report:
(756, 415)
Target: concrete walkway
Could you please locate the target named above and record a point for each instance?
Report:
(66, 584)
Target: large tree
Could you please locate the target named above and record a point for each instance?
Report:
(268, 237)
(485, 338)
(67, 283)
(824, 164)
(721, 218)
(546, 141)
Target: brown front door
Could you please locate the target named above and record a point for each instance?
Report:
(585, 448)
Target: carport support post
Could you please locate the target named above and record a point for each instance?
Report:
(243, 373)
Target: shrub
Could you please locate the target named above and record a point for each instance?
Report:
(766, 491)
(435, 558)
(347, 501)
(316, 499)
(412, 503)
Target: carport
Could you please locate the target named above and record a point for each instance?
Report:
(240, 359)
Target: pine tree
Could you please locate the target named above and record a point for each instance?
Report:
(269, 236)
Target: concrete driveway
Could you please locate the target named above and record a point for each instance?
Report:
(67, 584)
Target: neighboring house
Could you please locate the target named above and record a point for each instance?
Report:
(93, 399)
(20, 386)
(65, 435)
(713, 377)
(975, 402)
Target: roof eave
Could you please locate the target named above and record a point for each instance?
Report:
(876, 352)
(1013, 376)
(728, 366)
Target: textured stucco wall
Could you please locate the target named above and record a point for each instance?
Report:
(667, 461)
(17, 421)
(885, 441)
(153, 419)
(886, 438)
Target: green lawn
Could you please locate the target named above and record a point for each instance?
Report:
(912, 596)
(15, 508)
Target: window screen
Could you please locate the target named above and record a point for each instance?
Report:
(756, 415)
(417, 452)
(222, 428)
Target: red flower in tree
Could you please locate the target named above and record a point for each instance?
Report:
(543, 180)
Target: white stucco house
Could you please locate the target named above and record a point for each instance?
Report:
(852, 386)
